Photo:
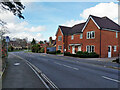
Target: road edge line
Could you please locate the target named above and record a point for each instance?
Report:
(37, 72)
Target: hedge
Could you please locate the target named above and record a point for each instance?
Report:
(82, 54)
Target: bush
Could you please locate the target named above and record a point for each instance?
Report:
(36, 48)
(10, 48)
(93, 55)
(53, 52)
(82, 54)
(117, 60)
(58, 51)
(79, 52)
(42, 50)
(67, 54)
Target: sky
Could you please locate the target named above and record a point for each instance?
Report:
(42, 19)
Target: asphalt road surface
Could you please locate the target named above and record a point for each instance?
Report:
(72, 73)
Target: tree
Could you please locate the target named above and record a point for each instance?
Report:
(14, 6)
(41, 42)
(33, 42)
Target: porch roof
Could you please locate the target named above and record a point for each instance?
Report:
(77, 44)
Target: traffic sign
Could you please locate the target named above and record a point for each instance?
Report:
(7, 39)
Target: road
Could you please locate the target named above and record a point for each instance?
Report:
(71, 73)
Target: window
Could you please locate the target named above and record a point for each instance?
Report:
(68, 47)
(90, 48)
(59, 47)
(72, 37)
(115, 48)
(91, 35)
(59, 38)
(116, 34)
(81, 36)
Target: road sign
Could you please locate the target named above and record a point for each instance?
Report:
(7, 39)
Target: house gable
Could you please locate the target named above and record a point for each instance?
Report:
(59, 29)
(90, 17)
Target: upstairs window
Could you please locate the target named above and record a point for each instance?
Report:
(91, 35)
(116, 34)
(72, 37)
(59, 38)
(81, 36)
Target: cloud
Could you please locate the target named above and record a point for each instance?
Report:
(30, 36)
(102, 9)
(21, 29)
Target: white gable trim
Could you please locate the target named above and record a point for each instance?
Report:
(88, 21)
(60, 30)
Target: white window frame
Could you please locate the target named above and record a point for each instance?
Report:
(59, 48)
(115, 48)
(116, 34)
(90, 48)
(72, 37)
(90, 35)
(81, 36)
(59, 38)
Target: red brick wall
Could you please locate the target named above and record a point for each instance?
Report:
(96, 42)
(59, 33)
(108, 38)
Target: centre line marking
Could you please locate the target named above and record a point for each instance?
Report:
(66, 66)
(111, 79)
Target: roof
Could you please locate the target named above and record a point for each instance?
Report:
(106, 23)
(103, 23)
(76, 28)
(65, 29)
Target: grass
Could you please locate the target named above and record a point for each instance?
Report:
(15, 50)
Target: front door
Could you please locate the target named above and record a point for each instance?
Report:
(109, 51)
(79, 48)
(73, 49)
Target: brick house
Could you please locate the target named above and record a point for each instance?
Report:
(97, 34)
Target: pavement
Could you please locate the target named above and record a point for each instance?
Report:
(19, 75)
(67, 72)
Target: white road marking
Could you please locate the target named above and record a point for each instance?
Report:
(111, 79)
(66, 66)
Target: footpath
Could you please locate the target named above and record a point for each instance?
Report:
(19, 75)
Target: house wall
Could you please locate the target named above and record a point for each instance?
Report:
(84, 41)
(108, 38)
(59, 33)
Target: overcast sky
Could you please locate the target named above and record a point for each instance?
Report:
(43, 18)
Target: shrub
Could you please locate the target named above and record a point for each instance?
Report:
(93, 55)
(36, 48)
(117, 60)
(41, 50)
(79, 52)
(58, 51)
(53, 52)
(10, 48)
(67, 54)
(82, 54)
